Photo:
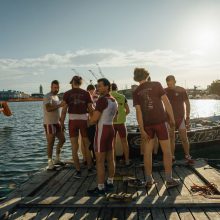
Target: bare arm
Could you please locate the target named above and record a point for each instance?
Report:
(50, 107)
(168, 109)
(63, 114)
(139, 116)
(187, 103)
(127, 109)
(95, 117)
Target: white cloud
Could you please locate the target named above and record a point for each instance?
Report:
(191, 61)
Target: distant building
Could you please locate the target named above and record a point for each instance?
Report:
(214, 88)
(41, 89)
(12, 94)
(37, 95)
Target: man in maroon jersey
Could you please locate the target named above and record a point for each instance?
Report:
(181, 108)
(149, 99)
(78, 101)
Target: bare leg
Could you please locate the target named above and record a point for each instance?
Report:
(100, 166)
(147, 150)
(172, 140)
(61, 141)
(185, 141)
(50, 144)
(111, 164)
(86, 144)
(125, 147)
(75, 148)
(156, 145)
(83, 151)
(167, 156)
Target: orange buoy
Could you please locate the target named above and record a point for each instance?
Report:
(6, 110)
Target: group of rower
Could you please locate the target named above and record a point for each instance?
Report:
(99, 113)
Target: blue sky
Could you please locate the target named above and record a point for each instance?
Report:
(43, 40)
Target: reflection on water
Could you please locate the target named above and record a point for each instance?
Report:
(23, 145)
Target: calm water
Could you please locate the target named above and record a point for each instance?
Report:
(23, 144)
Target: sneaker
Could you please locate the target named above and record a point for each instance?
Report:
(59, 163)
(189, 160)
(149, 184)
(96, 192)
(137, 183)
(78, 175)
(131, 164)
(172, 183)
(109, 186)
(50, 165)
(91, 172)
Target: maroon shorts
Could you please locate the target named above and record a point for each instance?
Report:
(52, 128)
(180, 123)
(104, 137)
(121, 129)
(78, 125)
(160, 130)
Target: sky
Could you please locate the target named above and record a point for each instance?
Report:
(45, 40)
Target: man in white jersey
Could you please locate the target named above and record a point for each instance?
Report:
(51, 108)
(104, 114)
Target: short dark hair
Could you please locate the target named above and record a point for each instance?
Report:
(170, 77)
(90, 87)
(106, 82)
(56, 82)
(77, 80)
(114, 87)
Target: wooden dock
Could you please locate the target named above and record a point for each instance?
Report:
(57, 195)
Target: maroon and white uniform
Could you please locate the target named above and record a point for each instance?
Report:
(148, 96)
(77, 100)
(177, 98)
(104, 130)
(51, 119)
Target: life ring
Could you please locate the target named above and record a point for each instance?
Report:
(6, 110)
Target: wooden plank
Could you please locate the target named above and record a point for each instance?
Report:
(171, 214)
(199, 214)
(142, 201)
(18, 214)
(26, 189)
(202, 169)
(131, 214)
(158, 214)
(212, 213)
(160, 185)
(144, 214)
(184, 178)
(67, 214)
(185, 214)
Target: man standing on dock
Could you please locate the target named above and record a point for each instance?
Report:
(119, 123)
(51, 107)
(104, 114)
(149, 100)
(78, 102)
(181, 108)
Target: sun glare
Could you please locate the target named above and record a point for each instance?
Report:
(204, 39)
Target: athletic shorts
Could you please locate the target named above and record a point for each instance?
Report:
(121, 129)
(52, 128)
(104, 138)
(180, 124)
(160, 130)
(78, 125)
